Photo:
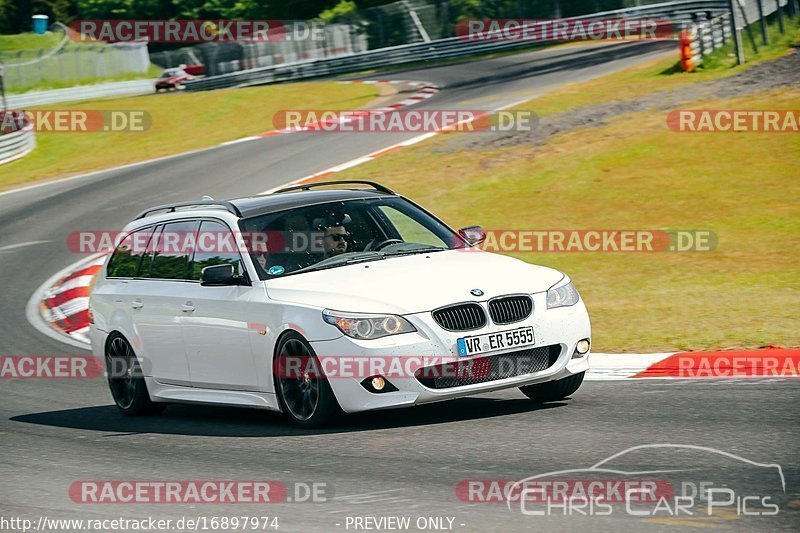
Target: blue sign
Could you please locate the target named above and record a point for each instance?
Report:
(462, 347)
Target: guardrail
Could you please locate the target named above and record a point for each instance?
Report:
(17, 144)
(679, 13)
(703, 38)
(81, 92)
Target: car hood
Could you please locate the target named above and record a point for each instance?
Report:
(414, 283)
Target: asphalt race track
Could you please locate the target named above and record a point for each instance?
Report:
(399, 463)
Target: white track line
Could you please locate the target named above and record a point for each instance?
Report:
(21, 245)
(138, 163)
(378, 153)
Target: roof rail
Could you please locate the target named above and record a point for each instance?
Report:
(307, 186)
(170, 208)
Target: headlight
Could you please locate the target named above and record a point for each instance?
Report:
(363, 326)
(562, 295)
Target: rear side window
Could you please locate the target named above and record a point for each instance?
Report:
(147, 258)
(175, 247)
(215, 246)
(124, 263)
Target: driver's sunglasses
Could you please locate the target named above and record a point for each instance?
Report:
(340, 237)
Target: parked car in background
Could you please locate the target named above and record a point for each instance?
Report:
(172, 79)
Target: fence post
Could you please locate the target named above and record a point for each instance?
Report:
(780, 16)
(763, 21)
(20, 71)
(737, 35)
(701, 36)
(40, 66)
(2, 87)
(721, 21)
(747, 27)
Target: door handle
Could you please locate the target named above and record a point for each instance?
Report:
(188, 307)
(137, 303)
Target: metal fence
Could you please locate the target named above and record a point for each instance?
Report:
(681, 13)
(403, 22)
(84, 92)
(329, 40)
(72, 62)
(706, 36)
(702, 38)
(17, 144)
(749, 11)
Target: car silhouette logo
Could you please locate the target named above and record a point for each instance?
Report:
(476, 292)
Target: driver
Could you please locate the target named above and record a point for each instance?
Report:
(335, 238)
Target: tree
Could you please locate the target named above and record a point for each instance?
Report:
(342, 9)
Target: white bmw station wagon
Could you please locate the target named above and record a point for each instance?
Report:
(326, 298)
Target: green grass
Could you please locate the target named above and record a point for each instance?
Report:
(634, 173)
(724, 59)
(662, 75)
(153, 72)
(29, 41)
(180, 122)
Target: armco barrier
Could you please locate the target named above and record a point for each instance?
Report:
(679, 13)
(703, 38)
(17, 144)
(81, 92)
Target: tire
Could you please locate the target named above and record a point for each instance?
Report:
(553, 390)
(306, 401)
(125, 380)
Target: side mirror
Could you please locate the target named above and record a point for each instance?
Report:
(220, 275)
(472, 234)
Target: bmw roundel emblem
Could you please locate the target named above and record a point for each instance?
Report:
(476, 292)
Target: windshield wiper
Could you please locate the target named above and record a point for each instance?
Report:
(334, 262)
(420, 250)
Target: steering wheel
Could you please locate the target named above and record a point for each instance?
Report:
(383, 244)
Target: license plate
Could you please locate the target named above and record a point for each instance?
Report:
(489, 342)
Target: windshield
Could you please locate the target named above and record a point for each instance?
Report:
(172, 73)
(340, 233)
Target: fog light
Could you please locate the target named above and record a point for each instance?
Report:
(582, 347)
(378, 383)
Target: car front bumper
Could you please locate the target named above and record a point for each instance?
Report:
(562, 327)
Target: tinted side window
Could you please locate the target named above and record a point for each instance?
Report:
(125, 261)
(147, 257)
(215, 246)
(175, 247)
